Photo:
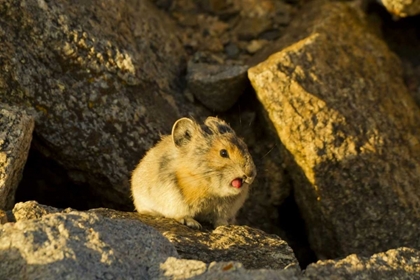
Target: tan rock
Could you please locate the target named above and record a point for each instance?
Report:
(402, 8)
(401, 263)
(339, 105)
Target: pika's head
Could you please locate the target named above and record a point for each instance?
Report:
(216, 153)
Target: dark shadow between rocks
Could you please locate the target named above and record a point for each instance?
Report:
(49, 183)
(403, 37)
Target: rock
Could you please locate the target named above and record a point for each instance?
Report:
(80, 245)
(101, 78)
(32, 210)
(232, 50)
(253, 248)
(3, 217)
(402, 8)
(184, 269)
(217, 87)
(339, 105)
(16, 128)
(401, 263)
(249, 28)
(256, 45)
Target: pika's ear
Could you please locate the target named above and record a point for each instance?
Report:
(218, 126)
(182, 131)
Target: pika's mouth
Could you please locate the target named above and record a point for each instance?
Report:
(237, 183)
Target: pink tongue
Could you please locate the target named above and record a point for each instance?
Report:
(237, 183)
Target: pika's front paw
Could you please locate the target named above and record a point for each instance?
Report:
(190, 222)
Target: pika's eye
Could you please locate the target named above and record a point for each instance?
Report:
(224, 153)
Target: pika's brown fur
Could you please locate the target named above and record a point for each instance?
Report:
(189, 174)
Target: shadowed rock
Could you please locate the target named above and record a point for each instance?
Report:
(100, 77)
(217, 87)
(16, 128)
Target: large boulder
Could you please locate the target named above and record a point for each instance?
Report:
(16, 128)
(40, 241)
(336, 98)
(101, 78)
(253, 248)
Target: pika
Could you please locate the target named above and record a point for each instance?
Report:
(200, 172)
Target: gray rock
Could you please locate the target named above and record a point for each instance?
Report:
(402, 8)
(100, 77)
(217, 87)
(15, 139)
(343, 113)
(182, 269)
(254, 248)
(401, 263)
(80, 245)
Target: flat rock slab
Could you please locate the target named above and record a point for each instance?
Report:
(101, 78)
(253, 248)
(339, 105)
(80, 246)
(15, 139)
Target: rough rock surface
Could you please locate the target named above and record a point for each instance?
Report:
(15, 139)
(228, 32)
(184, 269)
(80, 246)
(342, 111)
(253, 248)
(401, 263)
(217, 87)
(402, 8)
(100, 77)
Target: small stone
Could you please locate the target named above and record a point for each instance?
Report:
(251, 28)
(255, 46)
(232, 51)
(270, 35)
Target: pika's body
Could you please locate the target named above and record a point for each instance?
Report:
(198, 172)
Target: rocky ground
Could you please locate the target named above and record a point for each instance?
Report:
(325, 94)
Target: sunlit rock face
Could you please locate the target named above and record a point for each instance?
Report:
(344, 115)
